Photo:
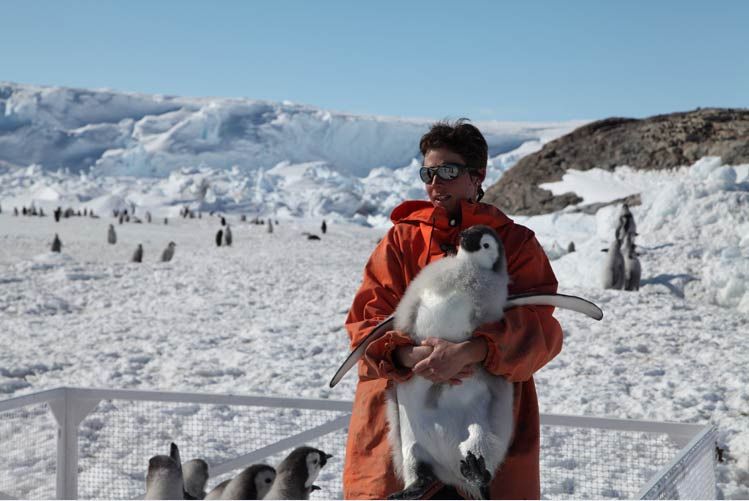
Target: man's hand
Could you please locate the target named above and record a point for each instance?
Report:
(450, 362)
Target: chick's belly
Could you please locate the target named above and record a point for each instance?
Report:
(447, 317)
(440, 429)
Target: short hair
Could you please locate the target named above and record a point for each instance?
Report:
(459, 137)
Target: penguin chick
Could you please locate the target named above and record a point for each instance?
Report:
(138, 254)
(164, 478)
(195, 475)
(253, 482)
(613, 271)
(56, 244)
(296, 475)
(111, 235)
(227, 236)
(458, 435)
(632, 268)
(168, 253)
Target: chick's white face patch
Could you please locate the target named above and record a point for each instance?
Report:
(487, 253)
(263, 482)
(314, 465)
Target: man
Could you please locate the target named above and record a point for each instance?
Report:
(455, 157)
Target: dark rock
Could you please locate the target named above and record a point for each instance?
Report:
(655, 143)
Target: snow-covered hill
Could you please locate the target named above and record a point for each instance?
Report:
(142, 135)
(279, 159)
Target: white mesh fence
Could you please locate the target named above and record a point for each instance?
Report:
(119, 437)
(594, 463)
(580, 457)
(691, 475)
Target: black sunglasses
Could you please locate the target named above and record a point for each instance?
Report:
(446, 172)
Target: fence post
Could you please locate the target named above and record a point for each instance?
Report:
(69, 411)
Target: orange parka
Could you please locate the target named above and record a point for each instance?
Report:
(520, 344)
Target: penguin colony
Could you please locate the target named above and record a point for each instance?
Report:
(293, 478)
(458, 435)
(622, 268)
(223, 237)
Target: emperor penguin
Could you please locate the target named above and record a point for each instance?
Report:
(270, 226)
(148, 216)
(253, 482)
(168, 253)
(456, 434)
(296, 474)
(632, 269)
(613, 270)
(219, 237)
(164, 479)
(138, 254)
(227, 236)
(323, 227)
(56, 244)
(111, 235)
(195, 477)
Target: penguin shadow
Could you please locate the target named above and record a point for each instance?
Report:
(675, 283)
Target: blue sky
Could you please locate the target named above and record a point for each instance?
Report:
(521, 60)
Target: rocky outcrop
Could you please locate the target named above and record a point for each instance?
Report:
(659, 142)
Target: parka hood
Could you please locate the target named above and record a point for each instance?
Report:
(423, 211)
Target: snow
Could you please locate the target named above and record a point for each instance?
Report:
(265, 316)
(587, 185)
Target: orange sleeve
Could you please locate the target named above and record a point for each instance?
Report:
(378, 296)
(528, 337)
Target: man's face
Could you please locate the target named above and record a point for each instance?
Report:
(448, 194)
